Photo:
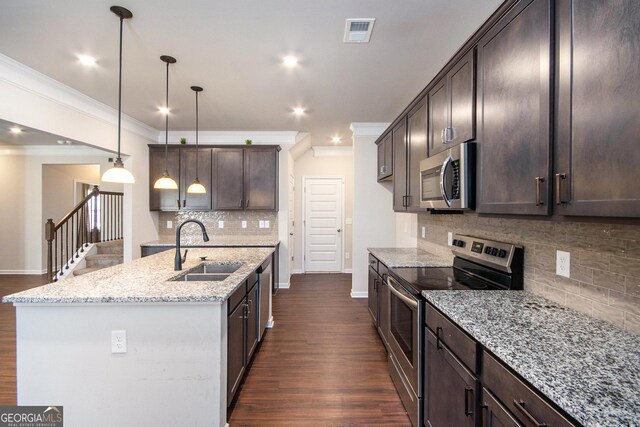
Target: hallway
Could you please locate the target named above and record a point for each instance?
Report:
(322, 365)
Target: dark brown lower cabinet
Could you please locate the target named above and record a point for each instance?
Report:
(450, 388)
(494, 414)
(253, 329)
(236, 356)
(383, 310)
(373, 295)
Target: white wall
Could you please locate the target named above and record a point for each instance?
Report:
(406, 230)
(12, 218)
(373, 216)
(44, 104)
(308, 165)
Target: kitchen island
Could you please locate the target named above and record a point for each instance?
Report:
(174, 369)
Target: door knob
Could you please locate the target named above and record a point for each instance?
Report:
(290, 234)
(339, 230)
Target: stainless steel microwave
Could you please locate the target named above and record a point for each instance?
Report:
(447, 179)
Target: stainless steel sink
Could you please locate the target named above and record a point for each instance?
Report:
(209, 272)
(216, 268)
(201, 277)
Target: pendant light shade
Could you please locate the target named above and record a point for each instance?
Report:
(118, 173)
(196, 187)
(165, 182)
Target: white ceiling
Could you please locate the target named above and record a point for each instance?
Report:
(234, 48)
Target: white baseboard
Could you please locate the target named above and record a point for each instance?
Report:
(25, 272)
(347, 271)
(359, 294)
(270, 322)
(298, 271)
(284, 285)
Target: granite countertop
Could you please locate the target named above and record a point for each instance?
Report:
(411, 257)
(148, 280)
(218, 241)
(588, 367)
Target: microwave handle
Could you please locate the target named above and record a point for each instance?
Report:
(445, 165)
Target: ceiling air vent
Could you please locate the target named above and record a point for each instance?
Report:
(358, 30)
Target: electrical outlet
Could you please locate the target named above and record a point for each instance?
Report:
(169, 224)
(220, 224)
(424, 232)
(266, 224)
(260, 224)
(450, 238)
(347, 255)
(563, 263)
(244, 224)
(118, 341)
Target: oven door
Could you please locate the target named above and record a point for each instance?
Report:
(405, 320)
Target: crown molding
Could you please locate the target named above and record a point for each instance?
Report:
(23, 77)
(231, 137)
(368, 129)
(329, 151)
(53, 151)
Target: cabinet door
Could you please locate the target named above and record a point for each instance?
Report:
(163, 200)
(514, 69)
(597, 149)
(261, 179)
(190, 201)
(399, 140)
(253, 327)
(383, 310)
(373, 295)
(450, 389)
(417, 143)
(228, 179)
(438, 122)
(494, 414)
(385, 157)
(462, 111)
(236, 361)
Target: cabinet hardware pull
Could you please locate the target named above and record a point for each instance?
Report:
(485, 422)
(539, 181)
(178, 203)
(438, 333)
(241, 203)
(249, 307)
(468, 406)
(184, 203)
(442, 136)
(559, 178)
(520, 406)
(247, 203)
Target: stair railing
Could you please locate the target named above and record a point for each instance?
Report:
(98, 218)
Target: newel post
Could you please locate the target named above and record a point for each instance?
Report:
(49, 235)
(95, 214)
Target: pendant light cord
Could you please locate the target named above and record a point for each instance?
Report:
(166, 126)
(197, 152)
(119, 159)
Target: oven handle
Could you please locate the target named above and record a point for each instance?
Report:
(409, 301)
(443, 171)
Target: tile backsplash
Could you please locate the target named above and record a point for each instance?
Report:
(605, 259)
(232, 223)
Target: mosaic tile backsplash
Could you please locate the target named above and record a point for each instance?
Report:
(232, 223)
(605, 260)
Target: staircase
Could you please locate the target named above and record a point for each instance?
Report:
(108, 254)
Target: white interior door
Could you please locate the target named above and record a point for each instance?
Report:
(292, 182)
(323, 211)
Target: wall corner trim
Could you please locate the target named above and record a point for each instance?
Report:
(359, 294)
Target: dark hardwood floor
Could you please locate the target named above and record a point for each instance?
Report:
(10, 284)
(322, 365)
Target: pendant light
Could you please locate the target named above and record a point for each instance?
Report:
(196, 187)
(165, 182)
(118, 173)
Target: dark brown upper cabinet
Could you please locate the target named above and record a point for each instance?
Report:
(409, 147)
(164, 200)
(228, 179)
(514, 112)
(452, 106)
(261, 179)
(190, 201)
(385, 157)
(598, 108)
(245, 178)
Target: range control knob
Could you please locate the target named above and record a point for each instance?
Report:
(461, 243)
(494, 251)
(502, 253)
(455, 242)
(487, 250)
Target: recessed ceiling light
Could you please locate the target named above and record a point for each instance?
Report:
(336, 139)
(87, 60)
(69, 142)
(60, 141)
(290, 61)
(298, 111)
(164, 110)
(16, 130)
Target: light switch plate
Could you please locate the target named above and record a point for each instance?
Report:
(563, 263)
(260, 224)
(169, 224)
(244, 224)
(118, 342)
(424, 232)
(450, 238)
(266, 224)
(220, 224)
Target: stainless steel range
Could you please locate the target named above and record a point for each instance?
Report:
(479, 264)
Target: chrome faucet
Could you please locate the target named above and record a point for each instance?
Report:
(177, 266)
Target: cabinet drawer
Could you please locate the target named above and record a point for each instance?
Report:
(382, 270)
(252, 280)
(237, 296)
(494, 414)
(526, 405)
(464, 347)
(373, 262)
